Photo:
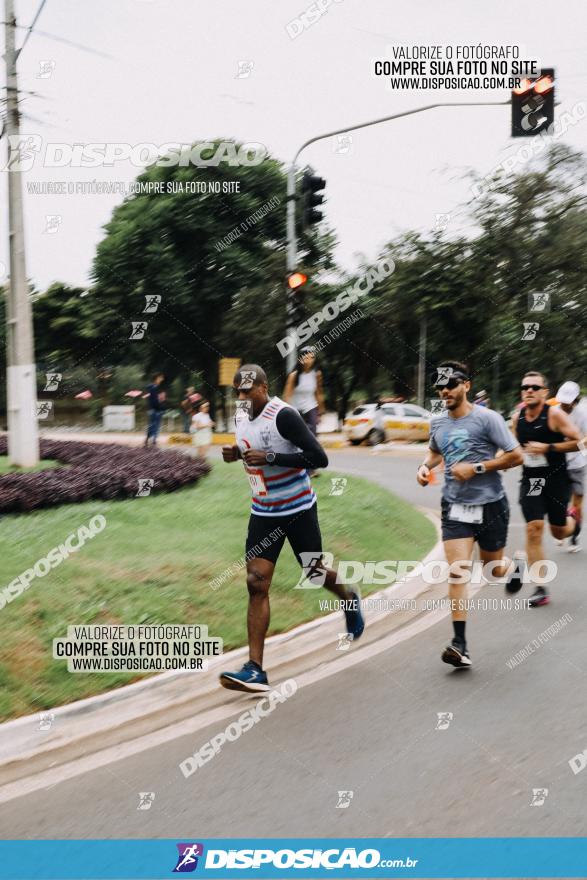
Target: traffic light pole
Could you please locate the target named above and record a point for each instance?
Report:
(21, 379)
(291, 257)
(292, 244)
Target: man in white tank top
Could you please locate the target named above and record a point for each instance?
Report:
(277, 448)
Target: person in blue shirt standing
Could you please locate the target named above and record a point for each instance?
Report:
(156, 406)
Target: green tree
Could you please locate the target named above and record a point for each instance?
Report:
(176, 245)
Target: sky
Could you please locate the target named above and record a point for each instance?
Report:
(167, 70)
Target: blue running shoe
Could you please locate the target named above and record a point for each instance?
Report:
(355, 622)
(250, 678)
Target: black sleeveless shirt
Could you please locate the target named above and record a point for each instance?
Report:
(539, 432)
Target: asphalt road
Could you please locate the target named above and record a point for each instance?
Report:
(372, 730)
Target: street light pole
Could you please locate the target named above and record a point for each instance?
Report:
(292, 245)
(21, 380)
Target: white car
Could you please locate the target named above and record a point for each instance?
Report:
(401, 421)
(360, 423)
(389, 421)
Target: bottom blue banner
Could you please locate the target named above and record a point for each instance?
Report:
(294, 857)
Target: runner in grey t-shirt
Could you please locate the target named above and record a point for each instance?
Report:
(476, 436)
(474, 506)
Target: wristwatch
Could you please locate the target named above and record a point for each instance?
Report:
(270, 457)
(479, 468)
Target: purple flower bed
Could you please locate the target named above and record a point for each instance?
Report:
(95, 470)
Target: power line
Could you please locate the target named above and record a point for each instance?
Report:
(73, 44)
(57, 39)
(30, 29)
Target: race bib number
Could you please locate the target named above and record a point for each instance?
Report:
(257, 482)
(466, 513)
(535, 460)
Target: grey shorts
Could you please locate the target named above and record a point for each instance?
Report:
(577, 480)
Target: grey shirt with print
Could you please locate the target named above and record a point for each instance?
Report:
(472, 438)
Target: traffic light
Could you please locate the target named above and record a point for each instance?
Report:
(296, 280)
(533, 105)
(311, 198)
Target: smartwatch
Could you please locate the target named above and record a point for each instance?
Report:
(270, 457)
(479, 468)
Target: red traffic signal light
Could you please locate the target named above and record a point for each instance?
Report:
(296, 280)
(543, 85)
(533, 104)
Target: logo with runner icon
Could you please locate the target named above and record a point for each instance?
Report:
(530, 330)
(243, 410)
(539, 302)
(444, 719)
(187, 860)
(314, 567)
(536, 485)
(338, 485)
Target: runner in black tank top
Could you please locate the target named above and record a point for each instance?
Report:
(545, 433)
(538, 431)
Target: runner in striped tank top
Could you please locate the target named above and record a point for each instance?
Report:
(277, 448)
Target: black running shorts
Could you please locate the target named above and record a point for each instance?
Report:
(267, 534)
(545, 496)
(491, 534)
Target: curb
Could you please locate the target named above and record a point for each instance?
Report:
(87, 726)
(329, 441)
(134, 438)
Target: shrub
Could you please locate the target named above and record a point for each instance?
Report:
(95, 470)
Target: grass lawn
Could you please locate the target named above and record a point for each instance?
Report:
(45, 464)
(153, 563)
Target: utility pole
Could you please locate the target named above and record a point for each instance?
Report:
(422, 361)
(495, 397)
(21, 379)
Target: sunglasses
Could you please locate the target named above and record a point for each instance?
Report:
(451, 383)
(532, 387)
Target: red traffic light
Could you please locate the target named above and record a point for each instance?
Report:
(297, 279)
(533, 104)
(543, 84)
(525, 86)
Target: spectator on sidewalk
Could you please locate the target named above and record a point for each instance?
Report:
(187, 408)
(201, 428)
(303, 390)
(156, 404)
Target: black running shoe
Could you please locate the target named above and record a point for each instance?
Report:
(457, 655)
(573, 512)
(515, 581)
(539, 597)
(355, 622)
